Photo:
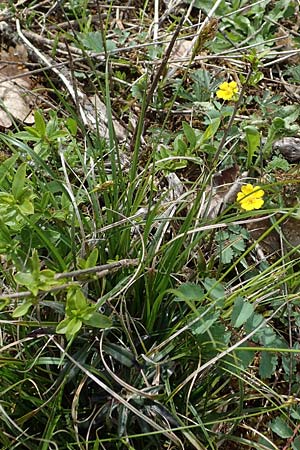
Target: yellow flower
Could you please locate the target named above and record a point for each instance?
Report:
(227, 90)
(250, 197)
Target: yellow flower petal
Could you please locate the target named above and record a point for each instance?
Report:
(250, 197)
(227, 90)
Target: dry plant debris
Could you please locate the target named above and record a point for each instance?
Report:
(16, 98)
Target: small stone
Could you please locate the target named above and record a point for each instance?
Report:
(289, 147)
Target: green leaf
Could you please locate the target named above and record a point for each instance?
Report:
(72, 126)
(189, 134)
(4, 302)
(24, 278)
(268, 337)
(47, 279)
(253, 142)
(268, 364)
(69, 326)
(241, 312)
(227, 255)
(98, 320)
(35, 262)
(188, 291)
(180, 146)
(22, 309)
(120, 354)
(281, 428)
(245, 357)
(93, 41)
(205, 323)
(26, 207)
(296, 443)
(6, 199)
(92, 259)
(76, 302)
(40, 124)
(211, 129)
(215, 290)
(19, 181)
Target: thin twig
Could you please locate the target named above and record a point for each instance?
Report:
(100, 271)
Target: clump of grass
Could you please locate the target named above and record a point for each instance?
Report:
(136, 311)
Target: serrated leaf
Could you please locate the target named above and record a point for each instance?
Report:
(281, 428)
(215, 290)
(239, 244)
(188, 291)
(241, 312)
(268, 337)
(268, 364)
(205, 323)
(227, 255)
(93, 41)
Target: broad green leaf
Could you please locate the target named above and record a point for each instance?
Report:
(63, 326)
(93, 41)
(24, 278)
(98, 320)
(215, 290)
(72, 126)
(22, 309)
(26, 207)
(92, 258)
(226, 255)
(268, 337)
(241, 312)
(281, 428)
(253, 142)
(245, 357)
(268, 364)
(296, 443)
(39, 123)
(211, 129)
(205, 323)
(239, 244)
(19, 181)
(180, 146)
(69, 326)
(188, 291)
(6, 199)
(189, 134)
(76, 302)
(47, 279)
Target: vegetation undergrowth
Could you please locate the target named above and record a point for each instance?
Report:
(149, 227)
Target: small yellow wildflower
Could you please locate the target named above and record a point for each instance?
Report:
(250, 197)
(227, 90)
